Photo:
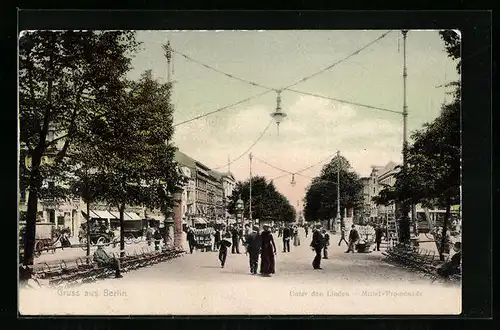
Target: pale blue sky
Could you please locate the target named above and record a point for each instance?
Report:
(314, 128)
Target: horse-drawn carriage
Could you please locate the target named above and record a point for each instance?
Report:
(46, 237)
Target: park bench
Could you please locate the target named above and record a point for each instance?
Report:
(84, 269)
(412, 258)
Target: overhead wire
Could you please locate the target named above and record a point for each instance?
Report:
(270, 89)
(220, 109)
(249, 148)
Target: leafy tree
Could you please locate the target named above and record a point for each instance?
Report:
(63, 78)
(321, 195)
(432, 176)
(134, 163)
(267, 202)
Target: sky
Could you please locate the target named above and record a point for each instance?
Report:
(314, 128)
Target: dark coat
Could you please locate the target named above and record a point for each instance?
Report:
(378, 234)
(353, 235)
(317, 240)
(253, 242)
(287, 233)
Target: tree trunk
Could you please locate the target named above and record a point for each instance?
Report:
(445, 228)
(30, 231)
(122, 232)
(88, 228)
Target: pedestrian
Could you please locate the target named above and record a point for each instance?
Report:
(286, 239)
(247, 232)
(217, 239)
(326, 243)
(306, 228)
(191, 240)
(378, 236)
(280, 231)
(224, 244)
(353, 238)
(317, 246)
(296, 238)
(82, 233)
(268, 251)
(235, 240)
(452, 267)
(157, 238)
(342, 236)
(253, 248)
(149, 235)
(104, 260)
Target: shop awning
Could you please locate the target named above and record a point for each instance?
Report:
(133, 216)
(101, 214)
(126, 217)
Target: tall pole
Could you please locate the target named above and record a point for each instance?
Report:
(250, 201)
(404, 231)
(168, 55)
(338, 185)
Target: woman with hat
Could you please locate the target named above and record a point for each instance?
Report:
(268, 250)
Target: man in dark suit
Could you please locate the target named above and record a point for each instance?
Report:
(287, 233)
(317, 245)
(378, 236)
(253, 248)
(235, 248)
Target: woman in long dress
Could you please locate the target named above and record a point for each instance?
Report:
(296, 238)
(268, 250)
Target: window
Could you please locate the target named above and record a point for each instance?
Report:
(60, 220)
(52, 216)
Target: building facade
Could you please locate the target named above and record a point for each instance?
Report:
(380, 177)
(207, 192)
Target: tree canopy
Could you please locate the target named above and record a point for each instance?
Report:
(64, 78)
(267, 202)
(321, 195)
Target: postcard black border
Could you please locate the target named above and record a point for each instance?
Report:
(476, 30)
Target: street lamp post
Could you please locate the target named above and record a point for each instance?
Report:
(338, 189)
(239, 210)
(250, 200)
(404, 217)
(278, 115)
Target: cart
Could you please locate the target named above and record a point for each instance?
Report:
(45, 238)
(98, 234)
(203, 238)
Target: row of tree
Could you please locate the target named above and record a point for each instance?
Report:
(110, 133)
(320, 201)
(267, 202)
(432, 174)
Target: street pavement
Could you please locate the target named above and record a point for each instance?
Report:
(195, 284)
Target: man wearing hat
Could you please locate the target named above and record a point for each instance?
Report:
(253, 248)
(104, 260)
(317, 245)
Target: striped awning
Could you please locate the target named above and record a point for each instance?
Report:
(101, 214)
(133, 216)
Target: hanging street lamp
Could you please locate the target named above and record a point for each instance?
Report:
(293, 182)
(278, 115)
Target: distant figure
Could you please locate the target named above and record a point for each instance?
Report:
(342, 236)
(65, 239)
(378, 236)
(326, 243)
(296, 238)
(268, 250)
(317, 245)
(157, 238)
(235, 238)
(104, 260)
(224, 244)
(191, 240)
(280, 231)
(286, 239)
(452, 267)
(149, 235)
(82, 233)
(217, 239)
(306, 228)
(353, 238)
(253, 248)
